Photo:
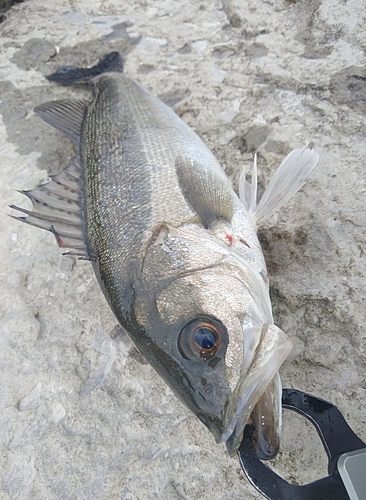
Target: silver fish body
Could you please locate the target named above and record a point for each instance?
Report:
(175, 251)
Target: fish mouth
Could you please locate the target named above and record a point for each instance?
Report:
(259, 384)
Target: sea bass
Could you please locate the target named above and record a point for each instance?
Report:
(175, 250)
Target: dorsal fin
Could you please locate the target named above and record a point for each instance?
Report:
(205, 191)
(66, 115)
(287, 180)
(58, 207)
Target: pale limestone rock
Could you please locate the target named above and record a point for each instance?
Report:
(81, 414)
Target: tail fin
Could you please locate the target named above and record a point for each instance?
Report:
(287, 180)
(72, 75)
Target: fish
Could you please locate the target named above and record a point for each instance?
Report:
(174, 248)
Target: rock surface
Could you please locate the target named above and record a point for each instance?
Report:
(81, 414)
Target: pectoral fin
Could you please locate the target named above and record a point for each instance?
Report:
(208, 194)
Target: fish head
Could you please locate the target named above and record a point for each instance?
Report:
(204, 330)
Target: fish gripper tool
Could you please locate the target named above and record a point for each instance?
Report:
(345, 450)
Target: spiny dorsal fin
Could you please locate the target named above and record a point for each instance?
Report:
(57, 207)
(287, 180)
(204, 190)
(66, 115)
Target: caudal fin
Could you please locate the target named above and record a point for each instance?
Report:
(287, 180)
(72, 75)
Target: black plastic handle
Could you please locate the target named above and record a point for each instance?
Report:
(337, 438)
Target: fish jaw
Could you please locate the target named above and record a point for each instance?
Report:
(267, 418)
(272, 349)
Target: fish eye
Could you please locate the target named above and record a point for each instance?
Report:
(199, 339)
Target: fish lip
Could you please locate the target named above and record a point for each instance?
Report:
(234, 427)
(253, 384)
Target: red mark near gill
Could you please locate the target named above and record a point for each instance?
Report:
(242, 240)
(229, 238)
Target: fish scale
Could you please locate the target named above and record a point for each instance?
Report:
(141, 139)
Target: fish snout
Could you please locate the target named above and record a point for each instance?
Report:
(260, 385)
(213, 396)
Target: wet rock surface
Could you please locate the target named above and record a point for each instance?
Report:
(81, 414)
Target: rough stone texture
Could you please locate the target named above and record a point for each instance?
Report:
(81, 414)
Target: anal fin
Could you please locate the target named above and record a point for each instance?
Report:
(58, 208)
